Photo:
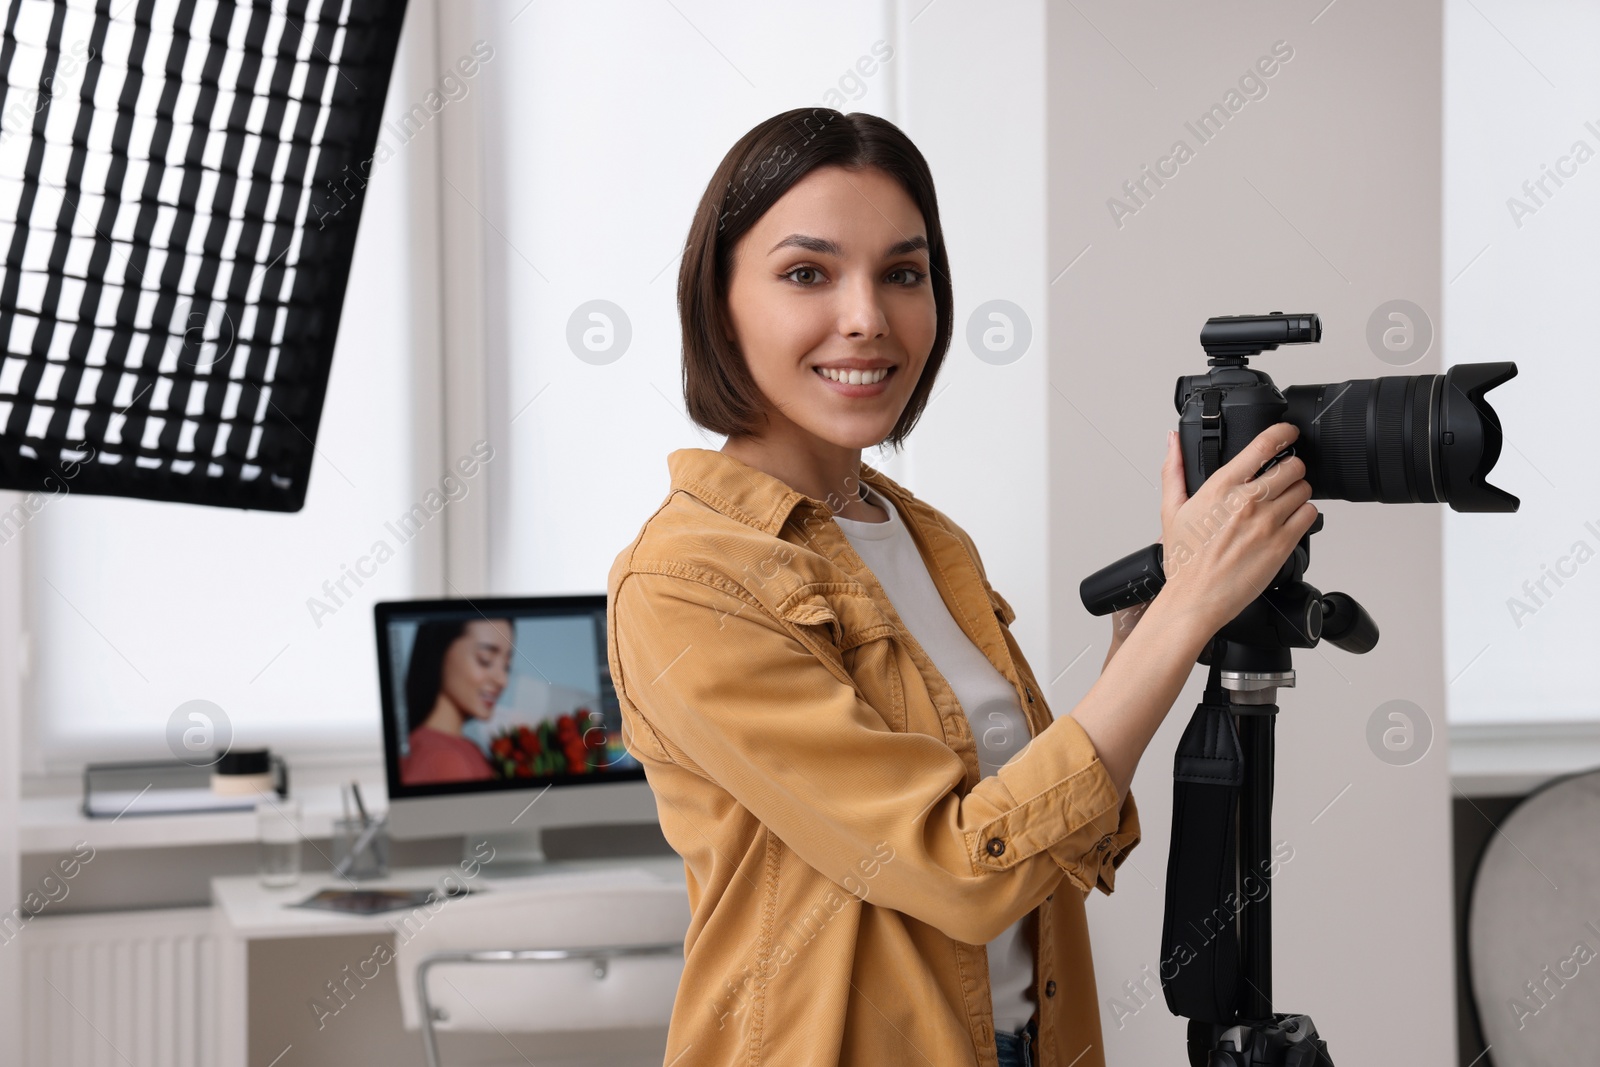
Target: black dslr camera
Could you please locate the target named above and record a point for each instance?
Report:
(1405, 439)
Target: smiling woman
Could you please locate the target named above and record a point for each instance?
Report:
(821, 684)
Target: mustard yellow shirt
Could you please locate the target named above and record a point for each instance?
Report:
(846, 862)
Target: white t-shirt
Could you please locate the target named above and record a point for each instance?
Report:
(989, 701)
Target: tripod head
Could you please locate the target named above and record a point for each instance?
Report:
(1289, 614)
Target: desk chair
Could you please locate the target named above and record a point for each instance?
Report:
(583, 971)
(1533, 928)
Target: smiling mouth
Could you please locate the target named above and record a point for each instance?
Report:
(855, 377)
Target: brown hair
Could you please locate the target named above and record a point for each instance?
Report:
(718, 388)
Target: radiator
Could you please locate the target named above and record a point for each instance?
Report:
(121, 989)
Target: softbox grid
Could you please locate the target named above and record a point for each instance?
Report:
(180, 187)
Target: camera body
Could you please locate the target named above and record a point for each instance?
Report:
(1225, 410)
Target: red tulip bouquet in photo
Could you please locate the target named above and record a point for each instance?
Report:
(568, 744)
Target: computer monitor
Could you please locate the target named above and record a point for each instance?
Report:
(500, 721)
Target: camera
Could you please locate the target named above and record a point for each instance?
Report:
(1403, 439)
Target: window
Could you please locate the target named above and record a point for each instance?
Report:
(580, 259)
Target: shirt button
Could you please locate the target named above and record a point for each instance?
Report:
(1103, 844)
(1050, 988)
(995, 846)
(1052, 896)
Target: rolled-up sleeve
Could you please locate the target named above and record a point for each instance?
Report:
(1117, 834)
(725, 690)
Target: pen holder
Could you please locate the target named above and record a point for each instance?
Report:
(360, 850)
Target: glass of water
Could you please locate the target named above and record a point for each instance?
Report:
(278, 840)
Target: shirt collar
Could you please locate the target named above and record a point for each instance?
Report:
(752, 496)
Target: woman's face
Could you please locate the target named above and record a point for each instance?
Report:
(836, 273)
(476, 667)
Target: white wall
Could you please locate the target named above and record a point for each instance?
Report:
(1521, 92)
(1321, 196)
(974, 102)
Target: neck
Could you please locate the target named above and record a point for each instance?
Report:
(445, 717)
(820, 470)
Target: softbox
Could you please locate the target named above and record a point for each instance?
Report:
(180, 187)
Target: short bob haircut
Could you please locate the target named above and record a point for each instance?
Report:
(718, 388)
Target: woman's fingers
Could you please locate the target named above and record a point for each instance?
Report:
(1285, 474)
(1225, 543)
(1173, 490)
(1294, 512)
(1296, 494)
(1241, 469)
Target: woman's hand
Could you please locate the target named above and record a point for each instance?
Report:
(1221, 547)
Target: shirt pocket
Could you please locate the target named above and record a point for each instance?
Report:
(843, 625)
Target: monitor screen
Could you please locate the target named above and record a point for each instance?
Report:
(498, 693)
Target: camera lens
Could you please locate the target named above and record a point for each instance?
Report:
(1404, 439)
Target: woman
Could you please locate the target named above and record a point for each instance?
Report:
(888, 835)
(457, 672)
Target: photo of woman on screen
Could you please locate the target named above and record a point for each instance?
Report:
(457, 672)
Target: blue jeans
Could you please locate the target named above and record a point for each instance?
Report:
(1016, 1049)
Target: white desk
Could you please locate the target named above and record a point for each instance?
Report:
(244, 911)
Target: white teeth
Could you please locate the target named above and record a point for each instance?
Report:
(855, 377)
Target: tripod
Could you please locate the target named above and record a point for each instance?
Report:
(1216, 937)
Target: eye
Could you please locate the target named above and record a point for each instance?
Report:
(917, 276)
(797, 270)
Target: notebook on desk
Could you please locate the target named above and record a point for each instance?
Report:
(153, 787)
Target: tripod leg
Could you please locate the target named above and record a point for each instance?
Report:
(1257, 725)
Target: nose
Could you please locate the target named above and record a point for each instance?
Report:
(861, 315)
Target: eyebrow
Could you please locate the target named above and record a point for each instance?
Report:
(825, 247)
